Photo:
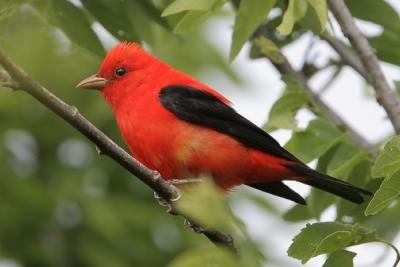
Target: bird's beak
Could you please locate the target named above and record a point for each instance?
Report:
(93, 82)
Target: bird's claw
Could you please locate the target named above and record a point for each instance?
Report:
(164, 203)
(161, 201)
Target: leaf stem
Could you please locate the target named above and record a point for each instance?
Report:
(396, 250)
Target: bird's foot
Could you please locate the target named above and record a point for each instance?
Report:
(174, 182)
(195, 228)
(161, 201)
(164, 203)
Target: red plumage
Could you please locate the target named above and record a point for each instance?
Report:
(179, 148)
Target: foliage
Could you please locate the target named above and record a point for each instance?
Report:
(249, 16)
(340, 257)
(282, 115)
(62, 205)
(328, 237)
(387, 165)
(205, 204)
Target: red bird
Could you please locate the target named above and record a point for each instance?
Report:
(182, 128)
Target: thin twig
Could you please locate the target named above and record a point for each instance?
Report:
(309, 49)
(6, 81)
(346, 53)
(396, 250)
(385, 95)
(330, 81)
(104, 144)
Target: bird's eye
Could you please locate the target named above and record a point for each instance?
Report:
(120, 71)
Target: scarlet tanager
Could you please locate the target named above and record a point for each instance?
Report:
(182, 128)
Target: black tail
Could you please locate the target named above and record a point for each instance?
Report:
(279, 189)
(329, 184)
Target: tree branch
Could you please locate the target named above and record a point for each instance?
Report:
(15, 77)
(385, 95)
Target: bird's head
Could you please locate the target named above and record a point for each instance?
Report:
(124, 69)
(120, 62)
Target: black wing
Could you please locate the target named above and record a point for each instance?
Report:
(199, 107)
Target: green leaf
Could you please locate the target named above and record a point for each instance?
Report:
(297, 213)
(342, 258)
(166, 46)
(7, 10)
(269, 49)
(284, 110)
(318, 201)
(259, 200)
(69, 18)
(321, 9)
(360, 176)
(381, 13)
(113, 17)
(376, 11)
(388, 191)
(295, 11)
(309, 22)
(184, 5)
(339, 161)
(316, 140)
(207, 257)
(154, 13)
(207, 205)
(388, 161)
(193, 18)
(345, 158)
(250, 15)
(327, 237)
(384, 43)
